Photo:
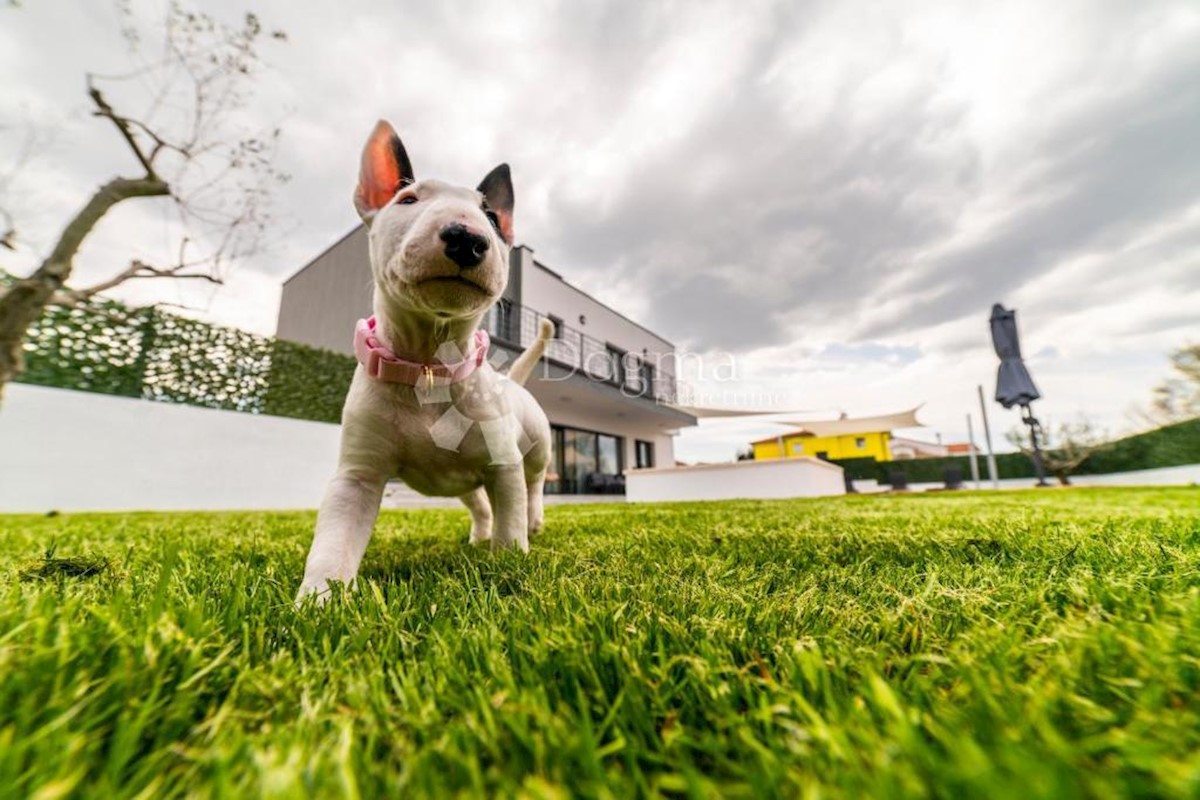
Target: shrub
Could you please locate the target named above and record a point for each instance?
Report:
(1170, 446)
(109, 348)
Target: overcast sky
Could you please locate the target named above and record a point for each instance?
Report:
(833, 192)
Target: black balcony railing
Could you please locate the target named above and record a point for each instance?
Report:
(649, 375)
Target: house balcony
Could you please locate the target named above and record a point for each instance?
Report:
(609, 409)
(644, 376)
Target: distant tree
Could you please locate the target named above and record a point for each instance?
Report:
(1178, 397)
(190, 148)
(1064, 447)
(745, 454)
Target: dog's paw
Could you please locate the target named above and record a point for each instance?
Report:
(514, 543)
(480, 534)
(312, 594)
(318, 592)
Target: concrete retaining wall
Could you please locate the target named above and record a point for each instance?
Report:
(77, 451)
(781, 478)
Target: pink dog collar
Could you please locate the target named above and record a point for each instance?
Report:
(384, 365)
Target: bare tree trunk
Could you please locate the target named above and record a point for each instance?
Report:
(25, 301)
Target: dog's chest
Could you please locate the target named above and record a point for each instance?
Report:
(447, 438)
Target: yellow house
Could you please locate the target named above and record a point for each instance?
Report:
(863, 437)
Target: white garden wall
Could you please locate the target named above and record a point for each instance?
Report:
(775, 479)
(77, 451)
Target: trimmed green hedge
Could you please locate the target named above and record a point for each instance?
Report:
(93, 349)
(306, 382)
(109, 348)
(191, 362)
(1170, 446)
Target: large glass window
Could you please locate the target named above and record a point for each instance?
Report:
(579, 460)
(609, 454)
(585, 462)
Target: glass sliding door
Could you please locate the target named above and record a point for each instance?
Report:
(608, 451)
(585, 462)
(579, 460)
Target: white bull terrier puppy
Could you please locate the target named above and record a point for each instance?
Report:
(425, 405)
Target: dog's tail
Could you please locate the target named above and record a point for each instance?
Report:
(522, 368)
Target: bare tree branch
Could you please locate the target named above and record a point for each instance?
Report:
(105, 110)
(24, 301)
(1178, 397)
(8, 233)
(1066, 447)
(58, 264)
(197, 153)
(140, 269)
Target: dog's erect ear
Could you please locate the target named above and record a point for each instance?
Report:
(385, 168)
(497, 190)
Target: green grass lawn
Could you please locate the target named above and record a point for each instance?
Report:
(1030, 644)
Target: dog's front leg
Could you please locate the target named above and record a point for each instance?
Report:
(506, 490)
(480, 507)
(344, 525)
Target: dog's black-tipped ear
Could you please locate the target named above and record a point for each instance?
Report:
(497, 191)
(385, 168)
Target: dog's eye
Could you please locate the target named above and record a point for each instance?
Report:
(407, 200)
(492, 218)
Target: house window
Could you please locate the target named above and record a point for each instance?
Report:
(579, 460)
(503, 320)
(797, 448)
(647, 378)
(860, 443)
(644, 452)
(557, 323)
(608, 452)
(586, 462)
(614, 364)
(633, 374)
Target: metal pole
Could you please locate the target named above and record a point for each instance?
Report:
(987, 438)
(1038, 466)
(971, 450)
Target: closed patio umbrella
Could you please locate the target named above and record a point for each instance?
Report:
(1014, 386)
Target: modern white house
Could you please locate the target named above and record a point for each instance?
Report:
(606, 382)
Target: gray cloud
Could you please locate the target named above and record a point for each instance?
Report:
(1109, 173)
(800, 224)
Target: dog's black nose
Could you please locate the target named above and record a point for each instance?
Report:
(463, 246)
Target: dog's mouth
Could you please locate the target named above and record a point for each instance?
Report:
(452, 280)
